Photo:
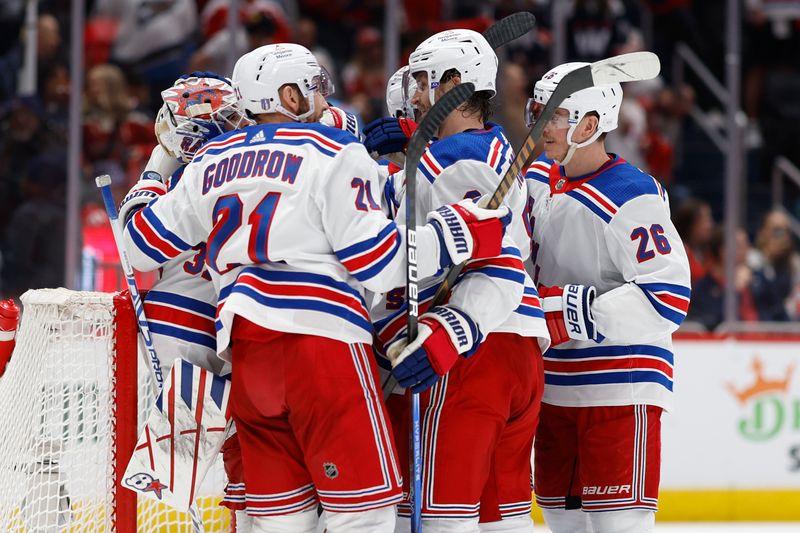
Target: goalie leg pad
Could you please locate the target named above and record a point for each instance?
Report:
(183, 435)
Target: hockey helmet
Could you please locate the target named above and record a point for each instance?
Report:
(196, 109)
(258, 76)
(464, 50)
(400, 85)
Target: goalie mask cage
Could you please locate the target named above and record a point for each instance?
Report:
(72, 402)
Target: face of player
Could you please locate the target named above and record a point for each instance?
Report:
(320, 105)
(554, 135)
(420, 99)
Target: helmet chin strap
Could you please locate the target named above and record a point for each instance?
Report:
(573, 146)
(302, 117)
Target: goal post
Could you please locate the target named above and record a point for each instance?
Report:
(72, 402)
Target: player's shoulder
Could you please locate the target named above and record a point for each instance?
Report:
(473, 144)
(325, 139)
(538, 172)
(619, 182)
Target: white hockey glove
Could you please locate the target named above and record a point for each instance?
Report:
(568, 313)
(467, 231)
(338, 118)
(149, 187)
(444, 333)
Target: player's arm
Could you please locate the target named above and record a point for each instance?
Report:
(653, 300)
(159, 225)
(645, 246)
(372, 247)
(489, 289)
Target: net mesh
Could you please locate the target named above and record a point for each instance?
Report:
(58, 404)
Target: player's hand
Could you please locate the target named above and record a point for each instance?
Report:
(444, 333)
(467, 231)
(388, 135)
(149, 187)
(340, 119)
(568, 313)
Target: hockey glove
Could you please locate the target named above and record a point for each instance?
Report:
(388, 135)
(149, 187)
(444, 333)
(467, 231)
(568, 313)
(341, 120)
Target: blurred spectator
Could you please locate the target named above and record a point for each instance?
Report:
(155, 37)
(708, 293)
(695, 225)
(364, 73)
(11, 13)
(261, 22)
(32, 247)
(47, 47)
(117, 138)
(596, 29)
(306, 35)
(98, 38)
(776, 270)
(511, 99)
(629, 139)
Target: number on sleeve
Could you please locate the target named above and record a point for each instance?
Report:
(364, 191)
(660, 241)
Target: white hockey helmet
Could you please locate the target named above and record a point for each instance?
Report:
(464, 50)
(196, 109)
(605, 100)
(258, 75)
(397, 96)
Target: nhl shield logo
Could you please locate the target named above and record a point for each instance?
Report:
(560, 184)
(331, 472)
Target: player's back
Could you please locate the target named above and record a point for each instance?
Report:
(277, 202)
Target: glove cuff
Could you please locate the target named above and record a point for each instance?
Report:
(462, 332)
(455, 237)
(578, 318)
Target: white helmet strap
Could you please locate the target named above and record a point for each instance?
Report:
(575, 145)
(302, 117)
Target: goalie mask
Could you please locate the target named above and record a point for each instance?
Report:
(195, 111)
(398, 91)
(605, 100)
(466, 51)
(259, 75)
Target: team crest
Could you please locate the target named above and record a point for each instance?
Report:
(331, 472)
(145, 483)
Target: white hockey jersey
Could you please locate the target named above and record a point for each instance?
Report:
(181, 305)
(610, 229)
(293, 231)
(497, 293)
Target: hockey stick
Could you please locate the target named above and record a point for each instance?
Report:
(104, 184)
(636, 66)
(416, 146)
(509, 28)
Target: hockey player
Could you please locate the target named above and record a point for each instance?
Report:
(181, 305)
(486, 406)
(614, 280)
(294, 236)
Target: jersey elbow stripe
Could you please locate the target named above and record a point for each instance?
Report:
(429, 166)
(181, 302)
(509, 274)
(368, 258)
(606, 378)
(670, 301)
(155, 236)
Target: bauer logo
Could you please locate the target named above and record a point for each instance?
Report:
(766, 403)
(331, 472)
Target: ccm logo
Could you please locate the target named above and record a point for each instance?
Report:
(607, 489)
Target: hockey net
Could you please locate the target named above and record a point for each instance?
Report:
(72, 402)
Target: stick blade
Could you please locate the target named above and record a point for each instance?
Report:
(509, 28)
(636, 66)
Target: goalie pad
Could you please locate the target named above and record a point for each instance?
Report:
(183, 435)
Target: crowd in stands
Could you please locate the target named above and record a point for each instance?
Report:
(135, 48)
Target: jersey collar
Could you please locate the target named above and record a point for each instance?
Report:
(561, 183)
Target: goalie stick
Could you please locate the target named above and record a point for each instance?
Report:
(104, 184)
(509, 28)
(416, 146)
(636, 66)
